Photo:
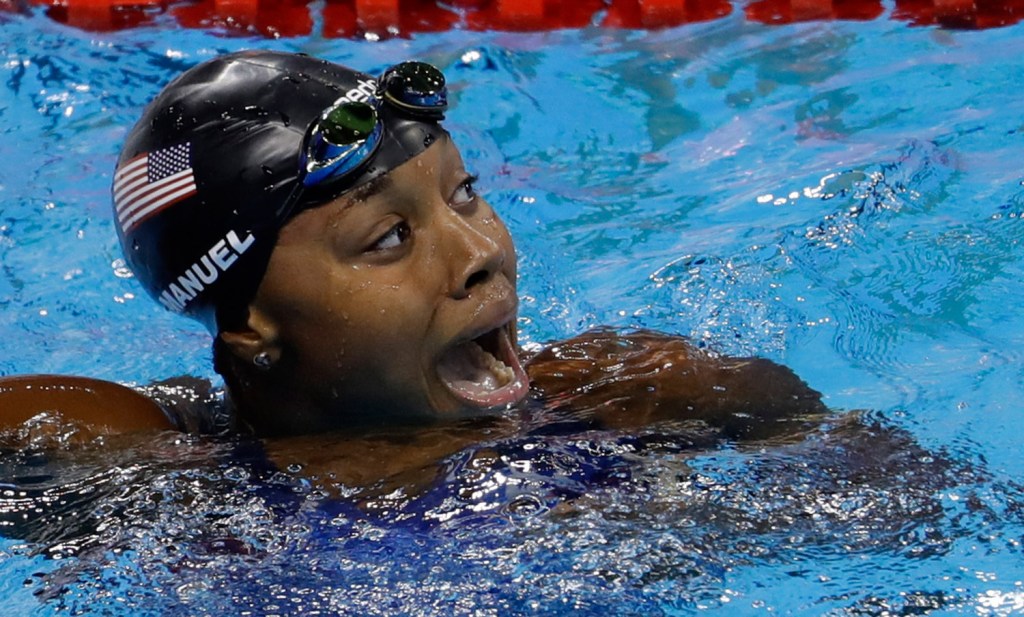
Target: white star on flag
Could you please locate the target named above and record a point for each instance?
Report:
(150, 182)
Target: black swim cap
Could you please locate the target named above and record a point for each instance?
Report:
(214, 167)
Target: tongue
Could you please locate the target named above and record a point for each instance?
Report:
(473, 371)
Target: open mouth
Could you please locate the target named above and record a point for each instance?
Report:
(485, 371)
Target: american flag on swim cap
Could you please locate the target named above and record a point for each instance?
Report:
(151, 182)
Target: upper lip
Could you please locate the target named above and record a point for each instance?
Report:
(489, 316)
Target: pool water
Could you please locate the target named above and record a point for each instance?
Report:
(841, 197)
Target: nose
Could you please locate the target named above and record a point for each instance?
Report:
(475, 257)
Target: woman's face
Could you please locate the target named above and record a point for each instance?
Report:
(397, 298)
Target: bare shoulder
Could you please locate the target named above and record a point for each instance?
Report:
(107, 406)
(634, 378)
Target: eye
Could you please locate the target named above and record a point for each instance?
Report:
(465, 194)
(393, 238)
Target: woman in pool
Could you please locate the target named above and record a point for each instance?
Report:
(322, 225)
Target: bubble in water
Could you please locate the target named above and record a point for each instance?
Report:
(121, 269)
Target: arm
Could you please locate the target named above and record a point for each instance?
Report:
(106, 406)
(623, 380)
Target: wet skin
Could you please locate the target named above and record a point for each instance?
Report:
(101, 406)
(365, 296)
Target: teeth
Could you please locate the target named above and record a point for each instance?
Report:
(475, 373)
(502, 373)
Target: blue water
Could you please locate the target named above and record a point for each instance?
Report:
(842, 197)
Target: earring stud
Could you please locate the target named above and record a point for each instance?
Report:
(262, 361)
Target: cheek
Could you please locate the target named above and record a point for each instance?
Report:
(386, 319)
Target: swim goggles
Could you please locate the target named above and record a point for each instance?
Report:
(347, 134)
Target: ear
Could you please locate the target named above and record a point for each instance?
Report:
(258, 335)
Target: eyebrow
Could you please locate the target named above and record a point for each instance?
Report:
(371, 188)
(360, 194)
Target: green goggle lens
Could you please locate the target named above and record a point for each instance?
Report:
(348, 123)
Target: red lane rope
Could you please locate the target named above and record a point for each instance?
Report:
(389, 18)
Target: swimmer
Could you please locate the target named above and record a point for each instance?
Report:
(322, 225)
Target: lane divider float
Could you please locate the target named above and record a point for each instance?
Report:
(376, 19)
